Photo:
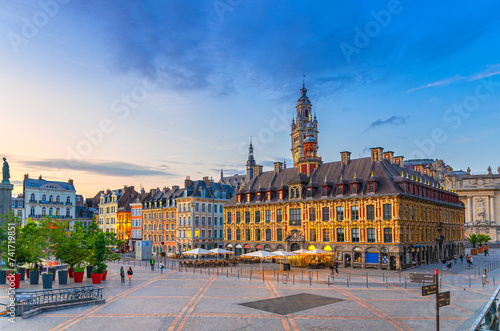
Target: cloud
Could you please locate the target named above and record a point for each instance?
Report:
(491, 70)
(106, 168)
(393, 120)
(439, 83)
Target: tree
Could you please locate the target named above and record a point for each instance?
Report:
(51, 233)
(29, 242)
(483, 238)
(11, 249)
(473, 239)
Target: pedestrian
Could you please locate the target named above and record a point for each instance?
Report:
(455, 259)
(461, 258)
(471, 260)
(467, 258)
(444, 264)
(332, 269)
(336, 268)
(161, 267)
(130, 273)
(449, 265)
(122, 274)
(485, 276)
(40, 268)
(153, 264)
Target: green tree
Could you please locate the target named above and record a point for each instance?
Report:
(11, 248)
(473, 239)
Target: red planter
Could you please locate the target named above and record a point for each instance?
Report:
(96, 278)
(70, 273)
(104, 275)
(480, 249)
(473, 251)
(16, 280)
(28, 273)
(78, 276)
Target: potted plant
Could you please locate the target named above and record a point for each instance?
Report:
(90, 234)
(29, 240)
(11, 249)
(473, 239)
(78, 273)
(111, 241)
(14, 278)
(99, 256)
(47, 279)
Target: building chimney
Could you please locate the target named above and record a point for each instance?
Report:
(433, 173)
(278, 166)
(70, 181)
(187, 182)
(389, 155)
(377, 154)
(175, 188)
(426, 170)
(419, 168)
(207, 181)
(26, 176)
(40, 178)
(345, 157)
(257, 170)
(399, 160)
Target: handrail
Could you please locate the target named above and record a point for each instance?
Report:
(488, 318)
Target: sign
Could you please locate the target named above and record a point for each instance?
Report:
(444, 299)
(421, 278)
(429, 290)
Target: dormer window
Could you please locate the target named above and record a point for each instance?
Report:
(239, 197)
(371, 187)
(309, 192)
(324, 191)
(280, 195)
(294, 192)
(257, 197)
(268, 196)
(354, 188)
(249, 197)
(340, 189)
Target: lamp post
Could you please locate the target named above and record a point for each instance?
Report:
(440, 239)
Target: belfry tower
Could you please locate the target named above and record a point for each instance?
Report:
(299, 126)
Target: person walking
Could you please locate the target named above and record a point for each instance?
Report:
(461, 258)
(485, 276)
(122, 274)
(471, 260)
(467, 258)
(336, 267)
(444, 264)
(161, 267)
(153, 264)
(130, 273)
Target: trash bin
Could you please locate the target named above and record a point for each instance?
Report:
(286, 266)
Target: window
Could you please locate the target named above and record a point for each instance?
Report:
(354, 213)
(312, 214)
(340, 189)
(309, 192)
(215, 221)
(238, 234)
(247, 234)
(68, 201)
(257, 197)
(370, 212)
(238, 217)
(32, 211)
(295, 219)
(67, 212)
(197, 207)
(229, 218)
(44, 197)
(50, 211)
(32, 199)
(203, 208)
(340, 214)
(312, 234)
(51, 198)
(387, 235)
(268, 234)
(371, 187)
(209, 208)
(387, 211)
(268, 216)
(221, 234)
(324, 191)
(203, 233)
(189, 220)
(326, 213)
(228, 234)
(279, 235)
(400, 211)
(203, 223)
(257, 235)
(209, 234)
(370, 235)
(257, 216)
(279, 215)
(196, 220)
(326, 234)
(247, 217)
(355, 235)
(340, 235)
(354, 188)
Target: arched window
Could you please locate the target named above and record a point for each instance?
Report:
(67, 212)
(57, 211)
(44, 197)
(58, 199)
(51, 198)
(50, 210)
(189, 220)
(68, 200)
(32, 199)
(43, 211)
(32, 211)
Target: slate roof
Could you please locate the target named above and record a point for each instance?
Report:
(31, 182)
(387, 176)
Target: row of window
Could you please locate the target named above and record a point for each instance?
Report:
(50, 200)
(56, 211)
(136, 211)
(157, 227)
(217, 234)
(204, 208)
(159, 238)
(108, 210)
(204, 221)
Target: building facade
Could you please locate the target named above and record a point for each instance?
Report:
(18, 208)
(46, 198)
(369, 212)
(200, 214)
(112, 201)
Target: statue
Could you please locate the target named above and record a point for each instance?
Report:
(489, 170)
(5, 171)
(468, 171)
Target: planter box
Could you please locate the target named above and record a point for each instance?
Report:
(34, 277)
(63, 277)
(70, 273)
(47, 281)
(96, 278)
(22, 273)
(13, 279)
(89, 271)
(78, 276)
(480, 249)
(104, 275)
(473, 251)
(3, 276)
(28, 272)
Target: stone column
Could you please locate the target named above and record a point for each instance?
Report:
(492, 209)
(470, 211)
(5, 199)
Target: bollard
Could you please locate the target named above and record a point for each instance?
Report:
(201, 271)
(347, 281)
(366, 280)
(263, 276)
(293, 275)
(134, 263)
(250, 274)
(278, 279)
(238, 273)
(217, 272)
(274, 272)
(317, 276)
(469, 278)
(349, 276)
(227, 273)
(405, 282)
(386, 281)
(400, 277)
(493, 280)
(310, 280)
(383, 277)
(302, 274)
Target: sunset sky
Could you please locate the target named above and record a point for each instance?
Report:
(144, 93)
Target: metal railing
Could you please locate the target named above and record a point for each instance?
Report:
(486, 318)
(41, 298)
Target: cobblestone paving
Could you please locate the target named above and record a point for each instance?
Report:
(193, 301)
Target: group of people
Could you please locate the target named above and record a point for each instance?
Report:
(129, 273)
(470, 260)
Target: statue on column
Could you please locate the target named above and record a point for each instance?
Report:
(5, 171)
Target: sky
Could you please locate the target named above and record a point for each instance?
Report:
(145, 93)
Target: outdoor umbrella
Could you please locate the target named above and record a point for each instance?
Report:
(317, 251)
(300, 251)
(261, 255)
(197, 251)
(220, 251)
(281, 254)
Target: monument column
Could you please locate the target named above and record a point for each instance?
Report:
(5, 191)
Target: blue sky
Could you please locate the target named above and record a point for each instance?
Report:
(148, 92)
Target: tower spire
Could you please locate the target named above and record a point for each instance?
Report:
(303, 81)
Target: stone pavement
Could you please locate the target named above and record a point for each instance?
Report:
(222, 301)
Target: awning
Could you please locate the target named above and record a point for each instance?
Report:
(238, 246)
(229, 246)
(258, 247)
(247, 246)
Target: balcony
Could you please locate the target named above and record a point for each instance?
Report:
(69, 203)
(32, 201)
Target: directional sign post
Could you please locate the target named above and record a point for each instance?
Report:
(421, 278)
(444, 299)
(429, 290)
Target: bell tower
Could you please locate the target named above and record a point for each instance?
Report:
(299, 125)
(309, 160)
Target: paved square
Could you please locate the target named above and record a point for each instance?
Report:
(291, 303)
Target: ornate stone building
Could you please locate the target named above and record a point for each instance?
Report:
(369, 212)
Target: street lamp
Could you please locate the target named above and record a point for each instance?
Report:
(439, 239)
